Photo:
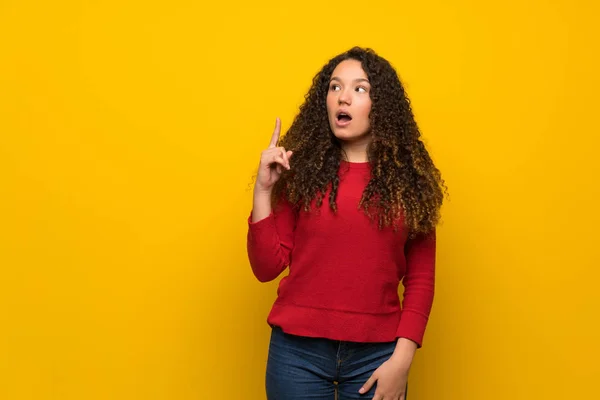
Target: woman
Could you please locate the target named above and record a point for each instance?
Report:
(349, 200)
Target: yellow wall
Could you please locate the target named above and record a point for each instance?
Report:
(129, 132)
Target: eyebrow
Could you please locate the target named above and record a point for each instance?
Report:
(335, 78)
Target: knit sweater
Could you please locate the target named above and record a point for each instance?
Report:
(344, 273)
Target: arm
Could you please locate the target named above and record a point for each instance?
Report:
(270, 232)
(270, 237)
(419, 285)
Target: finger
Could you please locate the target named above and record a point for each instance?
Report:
(270, 156)
(277, 159)
(277, 150)
(285, 158)
(276, 131)
(368, 384)
(378, 396)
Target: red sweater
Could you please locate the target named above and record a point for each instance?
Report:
(344, 273)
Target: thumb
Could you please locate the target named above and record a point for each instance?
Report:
(368, 384)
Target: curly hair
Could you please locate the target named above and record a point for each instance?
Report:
(404, 180)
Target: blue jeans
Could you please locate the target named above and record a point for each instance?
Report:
(300, 368)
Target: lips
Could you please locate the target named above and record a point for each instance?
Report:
(343, 118)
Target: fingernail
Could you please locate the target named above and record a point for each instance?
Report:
(362, 390)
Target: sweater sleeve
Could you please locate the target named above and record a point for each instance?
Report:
(270, 242)
(418, 282)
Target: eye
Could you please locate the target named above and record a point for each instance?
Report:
(334, 87)
(361, 89)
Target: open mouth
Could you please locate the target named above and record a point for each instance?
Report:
(344, 117)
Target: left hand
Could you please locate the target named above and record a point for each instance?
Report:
(391, 378)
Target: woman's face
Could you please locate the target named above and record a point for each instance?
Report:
(349, 102)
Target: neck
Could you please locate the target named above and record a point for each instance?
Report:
(356, 151)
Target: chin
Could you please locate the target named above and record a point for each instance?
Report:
(345, 136)
(348, 136)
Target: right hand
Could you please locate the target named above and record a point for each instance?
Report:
(272, 162)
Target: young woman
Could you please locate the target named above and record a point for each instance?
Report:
(348, 199)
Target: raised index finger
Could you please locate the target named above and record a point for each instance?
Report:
(275, 137)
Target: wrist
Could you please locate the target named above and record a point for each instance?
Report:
(259, 191)
(404, 352)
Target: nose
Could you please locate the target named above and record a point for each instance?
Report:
(345, 97)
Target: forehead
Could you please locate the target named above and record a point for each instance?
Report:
(349, 70)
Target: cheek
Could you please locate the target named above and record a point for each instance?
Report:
(330, 104)
(366, 109)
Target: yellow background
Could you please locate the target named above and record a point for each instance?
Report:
(129, 133)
